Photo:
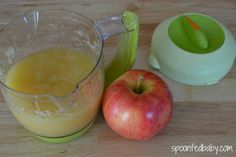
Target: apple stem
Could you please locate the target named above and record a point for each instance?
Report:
(139, 88)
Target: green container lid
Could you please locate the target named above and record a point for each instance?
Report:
(193, 49)
(196, 33)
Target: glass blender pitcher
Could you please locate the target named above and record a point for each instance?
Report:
(59, 118)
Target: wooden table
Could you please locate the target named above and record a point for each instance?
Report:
(202, 115)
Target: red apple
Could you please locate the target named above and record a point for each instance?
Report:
(137, 105)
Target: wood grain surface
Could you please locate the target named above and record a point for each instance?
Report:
(202, 114)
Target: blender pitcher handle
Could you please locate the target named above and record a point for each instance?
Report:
(127, 24)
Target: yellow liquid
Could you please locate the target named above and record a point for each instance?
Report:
(54, 72)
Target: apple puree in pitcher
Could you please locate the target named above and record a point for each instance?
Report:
(51, 71)
(55, 72)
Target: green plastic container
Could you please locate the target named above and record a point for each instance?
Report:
(193, 49)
